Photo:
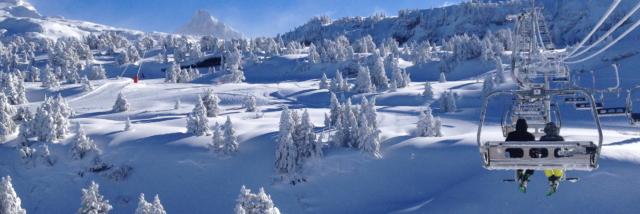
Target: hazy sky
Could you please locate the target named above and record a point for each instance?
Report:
(251, 17)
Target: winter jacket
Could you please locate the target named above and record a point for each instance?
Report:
(520, 134)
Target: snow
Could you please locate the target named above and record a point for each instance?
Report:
(413, 175)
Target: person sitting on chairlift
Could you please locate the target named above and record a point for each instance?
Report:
(552, 133)
(520, 134)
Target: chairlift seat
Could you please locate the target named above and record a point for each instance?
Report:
(587, 106)
(575, 99)
(537, 155)
(616, 111)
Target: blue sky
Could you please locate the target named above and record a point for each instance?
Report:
(251, 17)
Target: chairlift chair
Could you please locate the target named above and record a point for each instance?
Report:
(634, 117)
(535, 155)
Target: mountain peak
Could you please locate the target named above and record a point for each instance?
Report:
(18, 8)
(203, 24)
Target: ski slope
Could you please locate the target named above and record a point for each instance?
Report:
(415, 175)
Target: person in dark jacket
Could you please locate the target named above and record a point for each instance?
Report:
(552, 133)
(520, 134)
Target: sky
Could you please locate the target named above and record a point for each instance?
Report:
(250, 17)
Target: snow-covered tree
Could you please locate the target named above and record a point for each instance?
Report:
(250, 104)
(368, 110)
(235, 76)
(51, 121)
(86, 84)
(7, 125)
(93, 202)
(363, 81)
(443, 78)
(83, 145)
(488, 85)
(49, 79)
(286, 152)
(448, 102)
(127, 125)
(96, 72)
(10, 203)
(250, 203)
(145, 207)
(172, 73)
(378, 74)
(307, 142)
(217, 140)
(335, 109)
(45, 155)
(428, 91)
(197, 121)
(314, 57)
(324, 82)
(368, 138)
(12, 85)
(230, 140)
(338, 84)
(437, 125)
(426, 125)
(121, 104)
(397, 74)
(176, 106)
(211, 101)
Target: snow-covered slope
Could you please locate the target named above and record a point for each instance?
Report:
(19, 17)
(203, 24)
(569, 21)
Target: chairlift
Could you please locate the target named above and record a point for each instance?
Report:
(634, 117)
(587, 106)
(575, 99)
(568, 155)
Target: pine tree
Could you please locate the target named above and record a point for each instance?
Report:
(93, 202)
(45, 155)
(82, 145)
(428, 91)
(127, 125)
(176, 106)
(10, 203)
(378, 74)
(397, 77)
(438, 127)
(324, 82)
(368, 110)
(217, 141)
(197, 121)
(230, 139)
(286, 151)
(443, 78)
(7, 125)
(369, 139)
(211, 103)
(86, 84)
(144, 207)
(335, 108)
(349, 125)
(425, 125)
(121, 104)
(327, 121)
(488, 85)
(448, 102)
(12, 85)
(50, 80)
(363, 81)
(249, 203)
(250, 103)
